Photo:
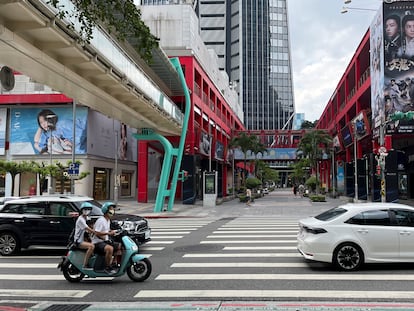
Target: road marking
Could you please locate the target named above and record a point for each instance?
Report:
(43, 277)
(255, 231)
(161, 229)
(169, 237)
(253, 236)
(243, 265)
(29, 257)
(270, 276)
(159, 242)
(297, 294)
(44, 293)
(154, 248)
(246, 248)
(28, 265)
(209, 255)
(168, 232)
(248, 242)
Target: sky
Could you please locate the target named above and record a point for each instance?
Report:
(322, 42)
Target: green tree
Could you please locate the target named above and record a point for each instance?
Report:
(300, 170)
(59, 172)
(14, 169)
(308, 124)
(244, 142)
(120, 17)
(257, 147)
(312, 145)
(43, 171)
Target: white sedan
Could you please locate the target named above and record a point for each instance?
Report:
(352, 234)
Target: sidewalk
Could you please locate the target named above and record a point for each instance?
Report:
(278, 201)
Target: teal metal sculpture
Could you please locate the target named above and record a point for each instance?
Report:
(169, 151)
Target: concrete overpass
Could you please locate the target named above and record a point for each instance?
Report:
(105, 75)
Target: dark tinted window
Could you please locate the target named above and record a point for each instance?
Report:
(331, 214)
(404, 217)
(11, 208)
(61, 209)
(371, 218)
(34, 208)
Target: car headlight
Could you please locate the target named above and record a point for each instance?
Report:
(127, 225)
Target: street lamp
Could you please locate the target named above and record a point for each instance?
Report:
(345, 9)
(51, 123)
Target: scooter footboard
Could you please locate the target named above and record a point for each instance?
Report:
(137, 257)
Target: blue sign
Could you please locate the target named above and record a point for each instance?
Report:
(73, 169)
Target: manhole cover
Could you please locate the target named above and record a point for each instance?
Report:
(198, 248)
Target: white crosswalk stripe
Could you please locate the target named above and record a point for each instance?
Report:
(292, 294)
(272, 240)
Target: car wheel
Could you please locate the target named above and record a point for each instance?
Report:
(9, 244)
(348, 257)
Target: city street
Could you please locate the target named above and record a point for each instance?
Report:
(231, 257)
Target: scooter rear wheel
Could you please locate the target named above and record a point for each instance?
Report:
(72, 274)
(140, 271)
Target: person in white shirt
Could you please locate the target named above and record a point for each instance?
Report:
(80, 228)
(102, 227)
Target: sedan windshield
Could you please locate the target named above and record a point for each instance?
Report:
(331, 214)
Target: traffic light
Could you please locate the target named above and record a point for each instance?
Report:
(399, 115)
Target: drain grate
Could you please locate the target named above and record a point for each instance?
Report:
(66, 307)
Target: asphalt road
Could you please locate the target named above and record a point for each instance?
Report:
(231, 257)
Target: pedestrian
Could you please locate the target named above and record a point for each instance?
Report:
(295, 189)
(301, 189)
(248, 196)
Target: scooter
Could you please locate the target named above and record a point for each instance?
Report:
(137, 267)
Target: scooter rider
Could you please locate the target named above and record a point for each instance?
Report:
(80, 227)
(103, 245)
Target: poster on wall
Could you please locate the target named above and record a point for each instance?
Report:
(361, 125)
(205, 144)
(45, 130)
(110, 138)
(3, 116)
(346, 136)
(219, 151)
(398, 63)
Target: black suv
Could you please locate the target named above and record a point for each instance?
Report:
(49, 220)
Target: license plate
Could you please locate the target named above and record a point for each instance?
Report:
(147, 234)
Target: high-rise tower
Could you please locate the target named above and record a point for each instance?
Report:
(251, 40)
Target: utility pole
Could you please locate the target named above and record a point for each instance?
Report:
(355, 162)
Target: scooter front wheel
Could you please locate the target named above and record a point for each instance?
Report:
(72, 274)
(140, 271)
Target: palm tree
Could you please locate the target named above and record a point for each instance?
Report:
(256, 148)
(14, 169)
(312, 145)
(244, 142)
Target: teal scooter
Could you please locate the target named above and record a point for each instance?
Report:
(137, 267)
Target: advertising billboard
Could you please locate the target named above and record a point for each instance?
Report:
(392, 65)
(362, 125)
(41, 130)
(346, 136)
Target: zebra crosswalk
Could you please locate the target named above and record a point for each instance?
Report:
(244, 257)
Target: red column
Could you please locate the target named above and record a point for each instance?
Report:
(142, 177)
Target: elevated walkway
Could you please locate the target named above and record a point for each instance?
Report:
(105, 75)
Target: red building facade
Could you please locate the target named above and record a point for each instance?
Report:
(211, 126)
(350, 105)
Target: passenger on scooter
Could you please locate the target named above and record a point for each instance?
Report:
(103, 245)
(80, 227)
